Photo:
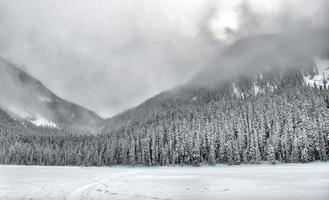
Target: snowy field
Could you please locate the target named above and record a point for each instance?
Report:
(287, 181)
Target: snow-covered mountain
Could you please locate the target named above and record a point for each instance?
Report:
(249, 67)
(25, 98)
(316, 74)
(252, 104)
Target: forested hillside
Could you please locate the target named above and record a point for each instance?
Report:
(274, 117)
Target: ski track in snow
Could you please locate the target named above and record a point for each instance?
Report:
(286, 181)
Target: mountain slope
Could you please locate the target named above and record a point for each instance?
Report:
(247, 107)
(268, 113)
(251, 66)
(288, 124)
(26, 98)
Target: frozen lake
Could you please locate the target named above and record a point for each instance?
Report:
(286, 181)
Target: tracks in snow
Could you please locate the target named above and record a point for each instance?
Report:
(112, 187)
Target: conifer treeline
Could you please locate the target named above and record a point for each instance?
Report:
(289, 124)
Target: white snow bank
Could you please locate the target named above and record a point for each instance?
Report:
(41, 121)
(323, 73)
(287, 181)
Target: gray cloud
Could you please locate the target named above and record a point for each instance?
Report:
(105, 55)
(112, 55)
(288, 35)
(259, 53)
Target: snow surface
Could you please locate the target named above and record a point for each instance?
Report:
(235, 90)
(44, 99)
(323, 72)
(256, 88)
(37, 120)
(18, 111)
(286, 181)
(41, 121)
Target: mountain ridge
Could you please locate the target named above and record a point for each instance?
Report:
(26, 98)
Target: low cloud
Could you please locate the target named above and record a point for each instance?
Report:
(282, 35)
(111, 55)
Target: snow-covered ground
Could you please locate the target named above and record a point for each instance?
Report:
(41, 121)
(323, 73)
(286, 181)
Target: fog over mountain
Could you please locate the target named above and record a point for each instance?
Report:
(111, 55)
(259, 53)
(25, 98)
(116, 96)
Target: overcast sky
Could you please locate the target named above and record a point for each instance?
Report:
(110, 55)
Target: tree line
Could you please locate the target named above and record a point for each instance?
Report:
(286, 123)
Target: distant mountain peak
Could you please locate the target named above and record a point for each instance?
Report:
(26, 98)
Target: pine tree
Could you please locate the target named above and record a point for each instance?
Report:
(271, 154)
